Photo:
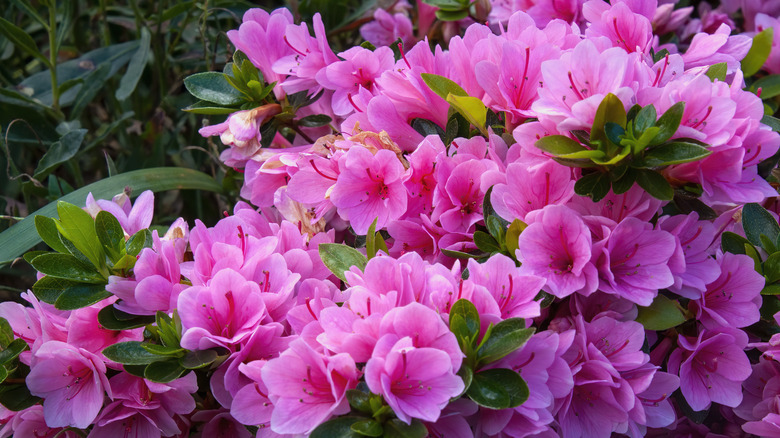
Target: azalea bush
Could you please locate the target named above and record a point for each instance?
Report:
(445, 219)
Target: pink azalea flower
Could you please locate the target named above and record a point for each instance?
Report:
(31, 423)
(241, 133)
(221, 314)
(307, 387)
(387, 28)
(733, 299)
(712, 367)
(132, 216)
(415, 382)
(625, 28)
(360, 68)
(514, 293)
(219, 423)
(71, 380)
(532, 189)
(369, 187)
(310, 56)
(557, 246)
(634, 262)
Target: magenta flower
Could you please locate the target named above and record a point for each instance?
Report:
(369, 187)
(557, 246)
(634, 262)
(132, 216)
(733, 299)
(359, 69)
(712, 367)
(387, 28)
(221, 314)
(415, 382)
(529, 189)
(309, 56)
(71, 380)
(514, 293)
(307, 387)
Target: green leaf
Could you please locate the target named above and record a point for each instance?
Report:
(81, 295)
(771, 289)
(485, 242)
(758, 53)
(67, 266)
(359, 400)
(129, 353)
(717, 71)
(513, 235)
(662, 314)
(135, 68)
(176, 10)
(655, 184)
(772, 122)
(488, 211)
(114, 319)
(772, 268)
(471, 108)
(506, 337)
(460, 254)
(17, 397)
(339, 427)
(109, 232)
(733, 243)
(367, 427)
(30, 10)
(560, 145)
(467, 312)
(60, 152)
(756, 221)
(161, 350)
(314, 121)
(769, 85)
(442, 86)
(645, 118)
(498, 388)
(614, 132)
(203, 107)
(675, 152)
(496, 228)
(371, 240)
(610, 109)
(22, 40)
(444, 15)
(467, 374)
(12, 351)
(48, 289)
(668, 123)
(396, 428)
(91, 84)
(138, 241)
(6, 333)
(624, 183)
(595, 185)
(78, 227)
(426, 127)
(339, 258)
(47, 230)
(3, 374)
(198, 359)
(213, 87)
(164, 371)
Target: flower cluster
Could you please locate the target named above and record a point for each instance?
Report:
(551, 227)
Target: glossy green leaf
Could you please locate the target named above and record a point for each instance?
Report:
(756, 221)
(471, 108)
(12, 351)
(442, 86)
(109, 232)
(485, 242)
(339, 258)
(47, 230)
(138, 241)
(164, 371)
(466, 310)
(496, 228)
(135, 68)
(129, 353)
(769, 86)
(6, 333)
(396, 428)
(733, 243)
(772, 268)
(610, 109)
(771, 289)
(48, 289)
(315, 121)
(717, 72)
(339, 427)
(513, 235)
(668, 123)
(624, 183)
(81, 295)
(645, 118)
(78, 227)
(67, 266)
(559, 145)
(614, 132)
(367, 427)
(161, 350)
(675, 152)
(595, 185)
(467, 374)
(208, 108)
(498, 388)
(198, 359)
(758, 53)
(213, 87)
(662, 314)
(505, 337)
(655, 184)
(17, 397)
(114, 319)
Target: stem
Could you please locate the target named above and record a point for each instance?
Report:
(53, 50)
